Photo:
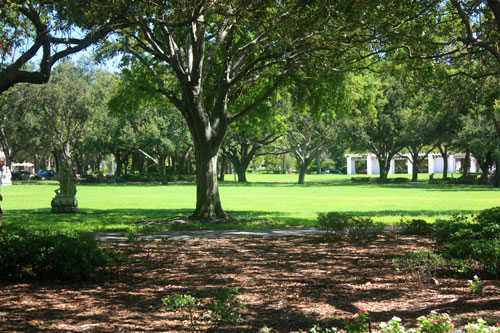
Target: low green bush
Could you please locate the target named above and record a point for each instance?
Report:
(445, 230)
(360, 179)
(399, 180)
(415, 227)
(55, 257)
(338, 225)
(467, 244)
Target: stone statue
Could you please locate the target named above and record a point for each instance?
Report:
(65, 201)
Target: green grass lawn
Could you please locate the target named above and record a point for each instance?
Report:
(273, 198)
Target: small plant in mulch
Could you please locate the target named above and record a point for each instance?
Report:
(476, 286)
(221, 307)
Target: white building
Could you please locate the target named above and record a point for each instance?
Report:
(434, 163)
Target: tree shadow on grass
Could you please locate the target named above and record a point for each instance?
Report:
(144, 220)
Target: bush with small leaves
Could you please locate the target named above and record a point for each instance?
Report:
(420, 264)
(54, 256)
(415, 227)
(337, 225)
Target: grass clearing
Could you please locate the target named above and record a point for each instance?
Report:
(273, 198)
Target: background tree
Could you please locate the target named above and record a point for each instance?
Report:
(66, 103)
(254, 136)
(378, 123)
(20, 131)
(306, 138)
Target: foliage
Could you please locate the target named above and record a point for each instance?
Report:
(476, 286)
(357, 323)
(435, 323)
(481, 326)
(360, 179)
(338, 224)
(415, 226)
(46, 32)
(450, 229)
(187, 305)
(420, 264)
(54, 256)
(393, 326)
(222, 308)
(467, 246)
(399, 180)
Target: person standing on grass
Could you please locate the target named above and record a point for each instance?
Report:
(2, 162)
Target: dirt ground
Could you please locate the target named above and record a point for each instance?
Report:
(288, 283)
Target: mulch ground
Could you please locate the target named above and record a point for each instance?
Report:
(287, 283)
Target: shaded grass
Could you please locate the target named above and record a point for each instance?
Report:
(135, 207)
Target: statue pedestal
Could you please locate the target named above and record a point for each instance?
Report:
(64, 204)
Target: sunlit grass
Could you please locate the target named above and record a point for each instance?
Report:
(273, 200)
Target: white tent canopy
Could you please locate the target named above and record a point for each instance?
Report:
(24, 164)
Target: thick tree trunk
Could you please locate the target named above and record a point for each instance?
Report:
(241, 171)
(415, 163)
(302, 173)
(384, 165)
(444, 155)
(414, 172)
(208, 204)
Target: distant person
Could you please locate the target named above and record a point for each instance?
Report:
(2, 171)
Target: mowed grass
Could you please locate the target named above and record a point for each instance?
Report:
(272, 200)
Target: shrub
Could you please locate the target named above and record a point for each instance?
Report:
(337, 225)
(444, 230)
(490, 218)
(224, 306)
(473, 241)
(415, 227)
(393, 326)
(400, 180)
(435, 322)
(360, 179)
(358, 323)
(420, 264)
(54, 256)
(481, 326)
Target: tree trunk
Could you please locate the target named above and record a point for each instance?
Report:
(415, 163)
(318, 160)
(414, 172)
(384, 165)
(465, 171)
(302, 173)
(222, 167)
(241, 171)
(119, 163)
(163, 169)
(496, 179)
(208, 204)
(444, 155)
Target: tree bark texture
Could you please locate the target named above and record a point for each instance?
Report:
(208, 204)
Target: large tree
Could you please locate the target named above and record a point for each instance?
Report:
(219, 51)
